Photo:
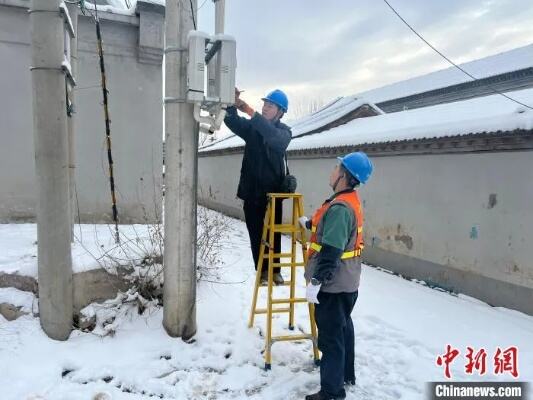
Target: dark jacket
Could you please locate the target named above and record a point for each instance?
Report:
(263, 166)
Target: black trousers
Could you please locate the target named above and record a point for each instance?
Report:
(336, 341)
(254, 214)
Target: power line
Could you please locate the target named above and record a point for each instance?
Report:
(192, 14)
(205, 1)
(450, 61)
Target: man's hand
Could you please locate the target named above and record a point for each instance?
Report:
(304, 222)
(241, 105)
(238, 102)
(311, 293)
(238, 93)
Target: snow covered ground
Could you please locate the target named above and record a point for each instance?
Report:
(401, 328)
(93, 247)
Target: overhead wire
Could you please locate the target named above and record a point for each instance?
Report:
(205, 1)
(192, 14)
(449, 60)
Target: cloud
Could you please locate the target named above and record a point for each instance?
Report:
(316, 49)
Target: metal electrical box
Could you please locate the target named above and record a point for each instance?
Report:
(196, 66)
(216, 55)
(226, 64)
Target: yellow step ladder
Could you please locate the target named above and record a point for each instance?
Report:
(298, 235)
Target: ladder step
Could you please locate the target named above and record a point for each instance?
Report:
(281, 255)
(274, 310)
(286, 228)
(283, 301)
(278, 255)
(288, 264)
(296, 196)
(291, 337)
(286, 283)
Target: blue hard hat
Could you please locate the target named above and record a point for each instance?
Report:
(278, 98)
(358, 164)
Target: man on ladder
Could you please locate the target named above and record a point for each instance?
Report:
(263, 166)
(333, 271)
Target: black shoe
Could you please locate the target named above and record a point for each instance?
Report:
(264, 278)
(350, 382)
(321, 396)
(316, 396)
(278, 279)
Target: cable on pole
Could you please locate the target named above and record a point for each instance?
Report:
(449, 60)
(107, 123)
(192, 14)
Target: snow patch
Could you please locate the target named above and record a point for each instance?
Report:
(400, 327)
(18, 298)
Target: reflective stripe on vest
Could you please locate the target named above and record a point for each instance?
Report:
(359, 229)
(351, 199)
(347, 254)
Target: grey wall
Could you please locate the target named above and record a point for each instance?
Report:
(461, 220)
(133, 56)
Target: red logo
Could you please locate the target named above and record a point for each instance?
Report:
(447, 359)
(505, 361)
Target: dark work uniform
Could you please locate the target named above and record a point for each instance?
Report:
(262, 170)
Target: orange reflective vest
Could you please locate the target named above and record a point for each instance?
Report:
(351, 199)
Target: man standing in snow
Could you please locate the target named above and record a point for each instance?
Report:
(263, 167)
(333, 271)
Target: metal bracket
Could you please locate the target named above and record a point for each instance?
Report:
(63, 13)
(61, 69)
(173, 49)
(170, 100)
(212, 51)
(63, 10)
(69, 76)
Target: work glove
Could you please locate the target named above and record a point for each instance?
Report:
(311, 293)
(304, 222)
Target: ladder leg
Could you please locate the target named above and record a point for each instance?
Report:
(303, 234)
(293, 261)
(267, 244)
(268, 344)
(316, 354)
(312, 321)
(259, 267)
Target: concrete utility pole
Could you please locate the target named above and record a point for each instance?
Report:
(181, 164)
(220, 5)
(51, 167)
(73, 12)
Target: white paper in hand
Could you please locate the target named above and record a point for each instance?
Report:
(311, 293)
(303, 221)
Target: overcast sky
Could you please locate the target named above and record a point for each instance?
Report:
(320, 49)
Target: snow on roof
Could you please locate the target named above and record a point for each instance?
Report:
(512, 60)
(327, 114)
(121, 7)
(484, 114)
(331, 112)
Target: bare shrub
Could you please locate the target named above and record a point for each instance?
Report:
(214, 231)
(138, 258)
